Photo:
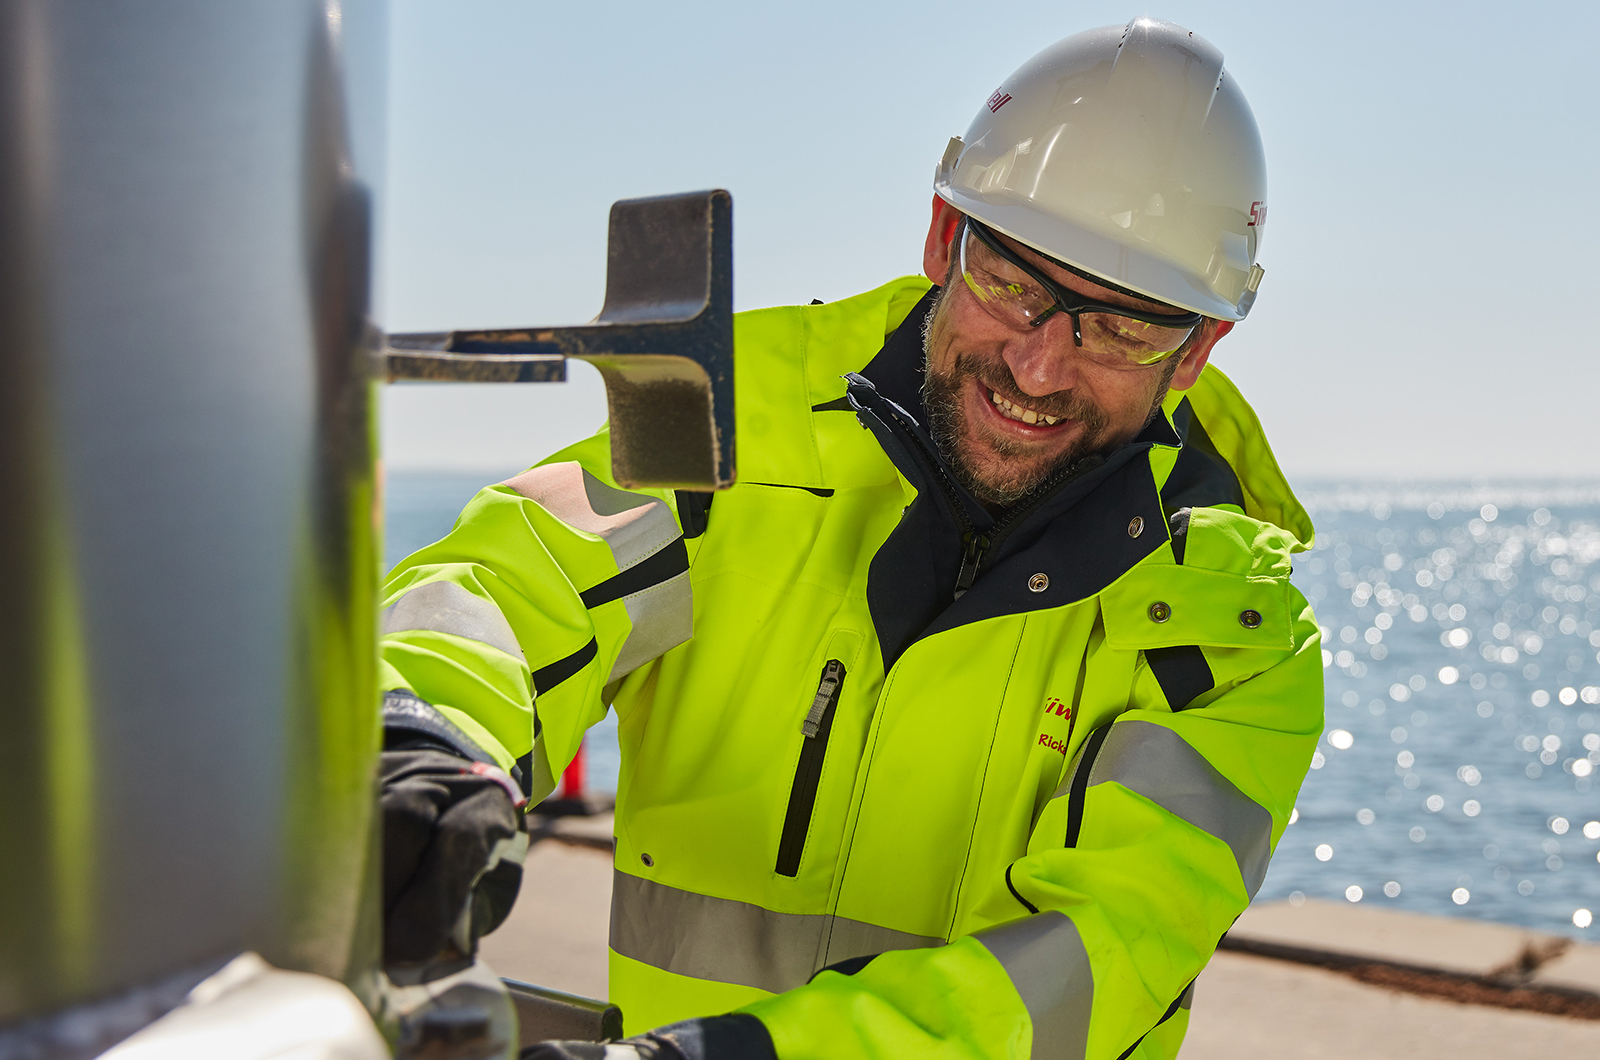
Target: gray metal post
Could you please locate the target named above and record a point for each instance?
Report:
(187, 503)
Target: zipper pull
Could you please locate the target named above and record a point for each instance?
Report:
(832, 675)
(974, 545)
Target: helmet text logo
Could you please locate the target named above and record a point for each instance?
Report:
(998, 100)
(1258, 214)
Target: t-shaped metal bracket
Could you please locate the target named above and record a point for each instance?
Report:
(663, 343)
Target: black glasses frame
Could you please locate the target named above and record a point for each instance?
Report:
(1070, 302)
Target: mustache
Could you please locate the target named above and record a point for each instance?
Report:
(997, 377)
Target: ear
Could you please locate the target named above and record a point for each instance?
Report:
(938, 251)
(1211, 332)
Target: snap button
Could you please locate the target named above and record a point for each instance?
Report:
(649, 862)
(1039, 583)
(1136, 526)
(1160, 612)
(1250, 619)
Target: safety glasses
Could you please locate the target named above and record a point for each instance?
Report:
(1018, 295)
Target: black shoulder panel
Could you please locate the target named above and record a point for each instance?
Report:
(1201, 478)
(1182, 672)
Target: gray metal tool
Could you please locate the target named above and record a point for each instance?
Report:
(545, 1015)
(663, 343)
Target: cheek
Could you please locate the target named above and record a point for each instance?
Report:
(960, 326)
(1127, 403)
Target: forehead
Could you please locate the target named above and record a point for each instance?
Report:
(1073, 282)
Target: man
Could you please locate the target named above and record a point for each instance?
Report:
(994, 696)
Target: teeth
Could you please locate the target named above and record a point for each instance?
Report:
(1024, 415)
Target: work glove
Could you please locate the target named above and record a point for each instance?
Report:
(453, 837)
(736, 1036)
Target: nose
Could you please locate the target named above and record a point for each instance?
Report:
(1044, 360)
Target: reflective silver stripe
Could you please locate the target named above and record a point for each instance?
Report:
(848, 938)
(1159, 764)
(726, 941)
(633, 525)
(1044, 956)
(445, 607)
(662, 618)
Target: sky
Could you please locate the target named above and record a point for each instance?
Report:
(1430, 261)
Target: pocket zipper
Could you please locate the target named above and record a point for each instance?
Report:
(816, 726)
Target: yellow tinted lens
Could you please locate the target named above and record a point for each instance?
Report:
(1120, 340)
(1009, 294)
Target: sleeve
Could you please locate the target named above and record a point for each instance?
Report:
(551, 586)
(1156, 840)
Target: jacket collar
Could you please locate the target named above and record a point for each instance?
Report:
(1103, 517)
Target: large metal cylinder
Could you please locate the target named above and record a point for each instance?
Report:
(187, 500)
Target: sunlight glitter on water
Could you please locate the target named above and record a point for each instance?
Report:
(1460, 631)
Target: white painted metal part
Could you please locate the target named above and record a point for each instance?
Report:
(250, 1010)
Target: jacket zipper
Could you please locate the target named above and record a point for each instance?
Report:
(816, 726)
(976, 546)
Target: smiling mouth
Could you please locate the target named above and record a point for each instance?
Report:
(1021, 413)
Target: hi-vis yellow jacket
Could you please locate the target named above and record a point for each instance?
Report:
(1011, 781)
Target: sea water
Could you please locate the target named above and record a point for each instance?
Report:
(1456, 773)
(1456, 770)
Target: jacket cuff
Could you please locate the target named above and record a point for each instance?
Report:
(735, 1036)
(407, 716)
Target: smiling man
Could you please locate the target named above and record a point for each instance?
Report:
(1006, 406)
(965, 725)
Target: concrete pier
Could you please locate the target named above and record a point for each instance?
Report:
(1250, 1007)
(1331, 1000)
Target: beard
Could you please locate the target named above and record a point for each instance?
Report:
(1021, 469)
(1014, 470)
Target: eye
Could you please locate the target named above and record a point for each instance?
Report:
(1104, 327)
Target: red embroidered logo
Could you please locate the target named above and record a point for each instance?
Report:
(1000, 98)
(1054, 706)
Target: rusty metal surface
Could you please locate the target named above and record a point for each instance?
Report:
(663, 343)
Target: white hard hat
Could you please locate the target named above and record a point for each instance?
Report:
(1129, 153)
